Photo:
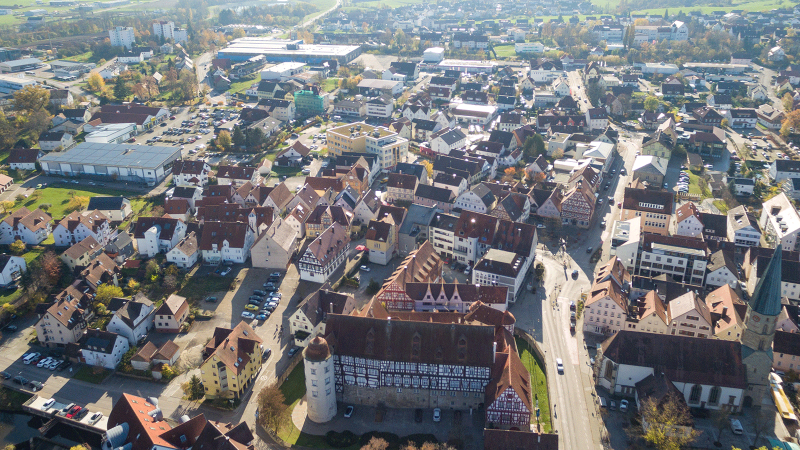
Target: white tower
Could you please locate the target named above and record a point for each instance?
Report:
(320, 384)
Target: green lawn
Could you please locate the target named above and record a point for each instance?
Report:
(91, 374)
(59, 197)
(285, 171)
(721, 206)
(505, 51)
(199, 287)
(539, 381)
(293, 390)
(330, 84)
(242, 84)
(694, 185)
(83, 57)
(323, 6)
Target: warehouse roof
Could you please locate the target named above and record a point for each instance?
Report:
(116, 155)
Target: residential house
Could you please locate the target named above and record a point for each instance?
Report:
(721, 269)
(783, 169)
(401, 187)
(688, 221)
(308, 321)
(780, 222)
(30, 227)
(62, 323)
(479, 199)
(441, 198)
(577, 206)
(232, 360)
(502, 268)
(235, 175)
(116, 209)
(55, 141)
(186, 252)
(171, 315)
(80, 254)
(190, 173)
(155, 235)
(226, 242)
(23, 158)
(605, 309)
(274, 248)
(651, 169)
(293, 156)
(325, 254)
(447, 139)
(743, 228)
(101, 348)
(132, 318)
(75, 227)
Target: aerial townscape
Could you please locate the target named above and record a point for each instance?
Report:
(397, 225)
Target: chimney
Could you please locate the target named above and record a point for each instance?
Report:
(724, 311)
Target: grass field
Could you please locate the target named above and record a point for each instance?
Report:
(539, 381)
(83, 57)
(293, 390)
(694, 185)
(323, 6)
(242, 84)
(505, 51)
(59, 197)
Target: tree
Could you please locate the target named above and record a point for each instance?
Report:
(126, 358)
(151, 270)
(194, 388)
(170, 283)
(31, 99)
(95, 83)
(630, 36)
(238, 138)
(762, 421)
(558, 154)
(272, 409)
(76, 204)
(660, 420)
(651, 103)
(721, 420)
(7, 206)
(17, 247)
(52, 266)
(788, 102)
(791, 124)
(724, 123)
(594, 91)
(75, 447)
(121, 89)
(167, 372)
(105, 292)
(428, 167)
(533, 147)
(376, 443)
(224, 140)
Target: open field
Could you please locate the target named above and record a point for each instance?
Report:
(59, 198)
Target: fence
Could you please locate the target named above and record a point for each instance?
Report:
(688, 196)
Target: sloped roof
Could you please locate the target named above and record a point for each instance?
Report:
(232, 345)
(218, 232)
(329, 243)
(318, 305)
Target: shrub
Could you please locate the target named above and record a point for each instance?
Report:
(391, 438)
(340, 440)
(418, 440)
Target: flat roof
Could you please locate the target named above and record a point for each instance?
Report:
(717, 66)
(22, 62)
(365, 129)
(284, 66)
(115, 155)
(467, 63)
(16, 79)
(378, 84)
(465, 108)
(260, 45)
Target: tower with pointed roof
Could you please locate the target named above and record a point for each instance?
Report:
(760, 319)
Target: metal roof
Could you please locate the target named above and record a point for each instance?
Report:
(115, 155)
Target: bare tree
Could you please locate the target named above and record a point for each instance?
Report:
(762, 422)
(666, 424)
(272, 409)
(721, 420)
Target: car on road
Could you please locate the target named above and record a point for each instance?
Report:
(348, 412)
(365, 268)
(74, 411)
(418, 415)
(575, 273)
(603, 225)
(437, 415)
(589, 250)
(623, 405)
(48, 404)
(736, 427)
(6, 375)
(267, 354)
(559, 365)
(467, 270)
(211, 299)
(293, 351)
(251, 307)
(248, 315)
(95, 418)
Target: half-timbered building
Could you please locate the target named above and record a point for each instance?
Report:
(423, 265)
(325, 254)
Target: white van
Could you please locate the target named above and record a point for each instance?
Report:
(28, 359)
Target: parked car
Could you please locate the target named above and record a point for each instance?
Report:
(211, 299)
(48, 404)
(95, 418)
(267, 354)
(623, 405)
(251, 307)
(36, 385)
(248, 315)
(66, 409)
(365, 268)
(6, 375)
(612, 405)
(262, 317)
(293, 351)
(348, 412)
(74, 411)
(736, 426)
(437, 415)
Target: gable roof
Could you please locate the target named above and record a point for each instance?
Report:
(232, 346)
(318, 305)
(174, 305)
(215, 233)
(22, 156)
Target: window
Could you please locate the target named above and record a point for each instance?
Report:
(694, 397)
(713, 396)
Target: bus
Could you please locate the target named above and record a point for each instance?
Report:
(781, 401)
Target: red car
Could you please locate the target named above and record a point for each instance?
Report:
(172, 117)
(73, 411)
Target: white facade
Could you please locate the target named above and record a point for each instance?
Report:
(108, 360)
(780, 222)
(529, 47)
(720, 277)
(151, 242)
(433, 55)
(142, 325)
(122, 37)
(690, 227)
(227, 253)
(469, 201)
(13, 270)
(320, 389)
(168, 31)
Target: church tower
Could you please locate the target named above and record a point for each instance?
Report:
(762, 314)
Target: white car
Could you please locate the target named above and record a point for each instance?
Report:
(736, 426)
(95, 418)
(44, 362)
(623, 405)
(437, 415)
(559, 365)
(248, 315)
(365, 268)
(48, 404)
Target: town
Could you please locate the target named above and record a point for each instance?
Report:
(398, 225)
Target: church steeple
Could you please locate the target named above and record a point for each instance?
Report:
(766, 299)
